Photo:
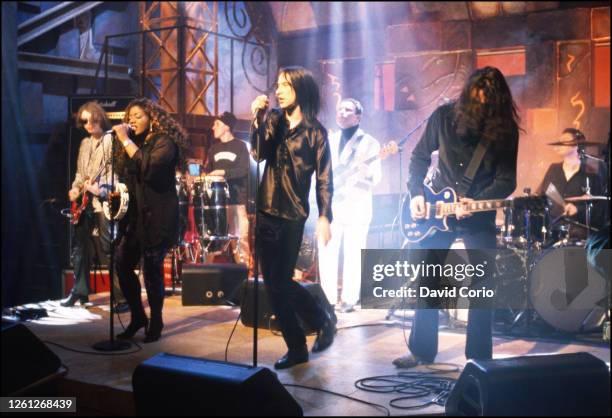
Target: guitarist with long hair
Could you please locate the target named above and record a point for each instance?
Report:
(482, 122)
(87, 194)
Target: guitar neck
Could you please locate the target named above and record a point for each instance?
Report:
(474, 206)
(347, 171)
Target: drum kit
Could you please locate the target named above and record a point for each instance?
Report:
(547, 269)
(209, 197)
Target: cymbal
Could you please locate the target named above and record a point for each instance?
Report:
(586, 198)
(574, 143)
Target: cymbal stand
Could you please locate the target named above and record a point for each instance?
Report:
(528, 263)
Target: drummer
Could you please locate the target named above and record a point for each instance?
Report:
(229, 158)
(569, 177)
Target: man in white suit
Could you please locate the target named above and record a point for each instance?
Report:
(356, 171)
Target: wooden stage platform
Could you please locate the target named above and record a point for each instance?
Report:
(365, 345)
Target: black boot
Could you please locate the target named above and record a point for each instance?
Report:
(72, 299)
(153, 333)
(325, 336)
(292, 358)
(136, 323)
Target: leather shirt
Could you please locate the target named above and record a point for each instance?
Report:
(292, 156)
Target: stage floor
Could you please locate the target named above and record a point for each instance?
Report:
(365, 345)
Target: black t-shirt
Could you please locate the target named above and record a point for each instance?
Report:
(233, 157)
(575, 186)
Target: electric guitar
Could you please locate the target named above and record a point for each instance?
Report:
(344, 172)
(80, 203)
(439, 206)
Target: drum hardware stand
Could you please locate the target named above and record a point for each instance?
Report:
(208, 240)
(528, 311)
(175, 254)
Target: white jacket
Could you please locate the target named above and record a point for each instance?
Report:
(352, 200)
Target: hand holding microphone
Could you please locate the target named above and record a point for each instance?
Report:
(259, 108)
(122, 131)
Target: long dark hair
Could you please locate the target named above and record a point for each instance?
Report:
(161, 123)
(306, 91)
(494, 120)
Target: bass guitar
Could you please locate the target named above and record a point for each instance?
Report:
(440, 206)
(343, 173)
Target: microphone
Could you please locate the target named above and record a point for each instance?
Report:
(259, 113)
(113, 133)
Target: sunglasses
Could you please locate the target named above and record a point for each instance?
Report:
(84, 121)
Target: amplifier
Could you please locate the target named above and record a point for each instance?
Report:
(212, 284)
(265, 317)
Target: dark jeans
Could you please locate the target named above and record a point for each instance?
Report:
(278, 243)
(423, 341)
(127, 257)
(84, 250)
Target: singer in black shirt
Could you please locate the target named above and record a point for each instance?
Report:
(294, 145)
(146, 163)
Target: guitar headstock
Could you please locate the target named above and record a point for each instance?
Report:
(389, 149)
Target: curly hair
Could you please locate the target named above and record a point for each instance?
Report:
(161, 123)
(494, 120)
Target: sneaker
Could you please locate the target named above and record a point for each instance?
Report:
(408, 361)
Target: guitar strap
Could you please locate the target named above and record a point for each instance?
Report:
(349, 160)
(470, 171)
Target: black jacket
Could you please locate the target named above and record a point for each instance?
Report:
(292, 156)
(153, 207)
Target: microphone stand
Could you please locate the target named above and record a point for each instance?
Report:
(589, 205)
(112, 344)
(400, 148)
(256, 249)
(398, 216)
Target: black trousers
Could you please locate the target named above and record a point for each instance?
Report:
(423, 341)
(127, 256)
(84, 250)
(278, 243)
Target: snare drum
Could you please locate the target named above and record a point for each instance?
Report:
(566, 291)
(210, 197)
